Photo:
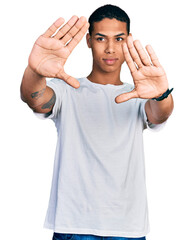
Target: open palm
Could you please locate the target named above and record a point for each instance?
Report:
(149, 77)
(52, 49)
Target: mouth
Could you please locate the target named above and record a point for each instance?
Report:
(110, 61)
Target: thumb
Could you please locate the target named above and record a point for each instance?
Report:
(126, 96)
(68, 79)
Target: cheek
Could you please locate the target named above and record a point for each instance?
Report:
(97, 52)
(122, 58)
(120, 54)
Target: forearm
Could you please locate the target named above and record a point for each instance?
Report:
(159, 111)
(33, 87)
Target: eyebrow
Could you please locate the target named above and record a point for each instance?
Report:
(102, 35)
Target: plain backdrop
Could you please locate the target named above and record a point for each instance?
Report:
(28, 143)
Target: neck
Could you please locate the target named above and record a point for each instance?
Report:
(105, 77)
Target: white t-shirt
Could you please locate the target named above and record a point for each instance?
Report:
(98, 182)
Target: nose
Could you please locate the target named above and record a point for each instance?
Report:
(110, 48)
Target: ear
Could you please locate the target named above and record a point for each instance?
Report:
(88, 39)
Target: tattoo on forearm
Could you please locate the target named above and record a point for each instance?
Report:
(50, 103)
(38, 94)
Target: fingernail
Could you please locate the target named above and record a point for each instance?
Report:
(77, 85)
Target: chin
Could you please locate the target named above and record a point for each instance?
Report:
(110, 69)
(107, 69)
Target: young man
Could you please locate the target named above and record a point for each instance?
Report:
(98, 187)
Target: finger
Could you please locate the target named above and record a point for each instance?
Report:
(53, 28)
(129, 59)
(133, 52)
(142, 54)
(153, 56)
(74, 30)
(66, 27)
(75, 40)
(126, 96)
(68, 79)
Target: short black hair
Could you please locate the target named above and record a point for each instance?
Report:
(108, 11)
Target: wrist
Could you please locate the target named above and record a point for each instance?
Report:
(164, 95)
(33, 74)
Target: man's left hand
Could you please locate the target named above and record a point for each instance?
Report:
(149, 77)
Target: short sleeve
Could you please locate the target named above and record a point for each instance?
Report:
(148, 125)
(59, 87)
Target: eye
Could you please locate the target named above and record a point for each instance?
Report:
(119, 39)
(100, 39)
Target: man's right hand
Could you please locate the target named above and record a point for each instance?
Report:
(52, 49)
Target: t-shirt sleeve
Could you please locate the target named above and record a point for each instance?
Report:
(148, 125)
(59, 87)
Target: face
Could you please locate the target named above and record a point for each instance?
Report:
(106, 44)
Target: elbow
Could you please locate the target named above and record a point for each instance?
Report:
(159, 120)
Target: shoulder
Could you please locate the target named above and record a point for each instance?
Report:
(56, 81)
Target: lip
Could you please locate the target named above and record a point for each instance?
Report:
(110, 61)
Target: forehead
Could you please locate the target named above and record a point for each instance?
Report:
(110, 26)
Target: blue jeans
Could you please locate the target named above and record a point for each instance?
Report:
(67, 236)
